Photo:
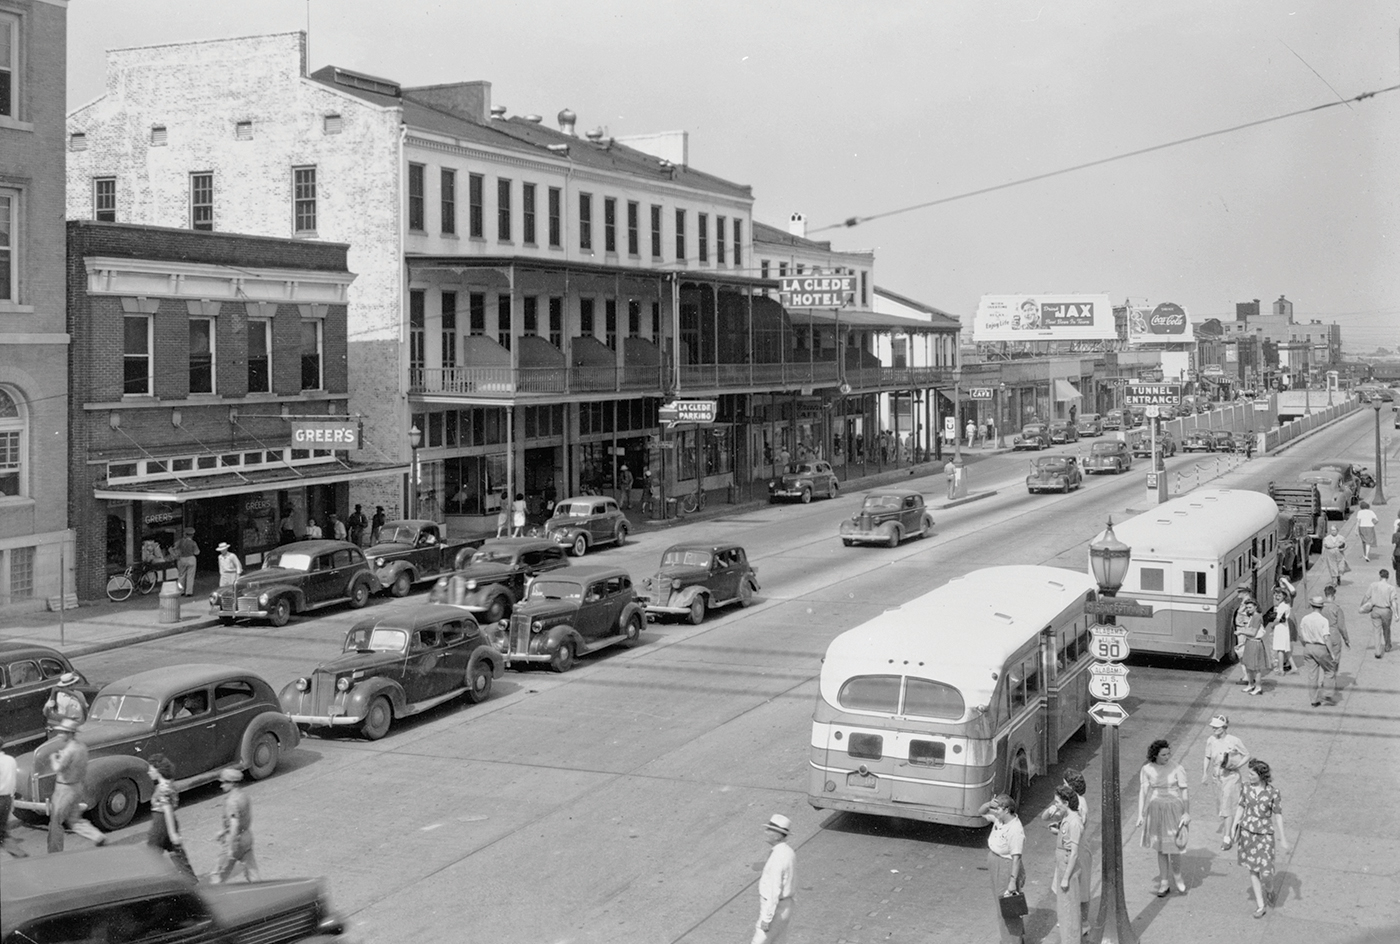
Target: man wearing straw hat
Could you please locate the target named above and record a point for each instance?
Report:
(775, 886)
(70, 763)
(186, 557)
(230, 567)
(65, 701)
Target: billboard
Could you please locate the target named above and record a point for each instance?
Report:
(1043, 318)
(1166, 323)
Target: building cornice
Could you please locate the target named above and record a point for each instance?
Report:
(169, 279)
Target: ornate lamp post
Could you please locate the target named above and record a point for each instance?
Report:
(1109, 559)
(1378, 495)
(415, 439)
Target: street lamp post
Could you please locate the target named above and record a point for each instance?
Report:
(1109, 559)
(1378, 494)
(1001, 412)
(415, 439)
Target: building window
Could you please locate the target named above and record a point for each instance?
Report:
(531, 315)
(503, 209)
(449, 329)
(634, 318)
(655, 231)
(12, 430)
(159, 137)
(702, 232)
(555, 219)
(610, 323)
(610, 224)
(556, 321)
(202, 201)
(476, 314)
(415, 197)
(585, 317)
(680, 235)
(137, 356)
(104, 199)
(311, 338)
(259, 355)
(201, 355)
(585, 221)
(864, 295)
(656, 322)
(449, 201)
(9, 64)
(738, 242)
(476, 206)
(719, 240)
(417, 307)
(633, 239)
(782, 269)
(503, 321)
(331, 124)
(243, 131)
(304, 199)
(9, 224)
(77, 141)
(763, 269)
(527, 213)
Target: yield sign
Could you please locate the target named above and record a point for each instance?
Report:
(1108, 713)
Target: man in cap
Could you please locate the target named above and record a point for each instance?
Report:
(230, 567)
(65, 701)
(236, 838)
(186, 557)
(1225, 757)
(69, 761)
(775, 886)
(9, 775)
(1316, 635)
(1337, 620)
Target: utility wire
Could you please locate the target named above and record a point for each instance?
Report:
(857, 220)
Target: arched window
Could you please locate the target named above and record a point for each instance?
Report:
(12, 445)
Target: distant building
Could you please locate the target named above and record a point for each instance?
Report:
(1273, 345)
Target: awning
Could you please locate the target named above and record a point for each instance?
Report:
(195, 487)
(1064, 390)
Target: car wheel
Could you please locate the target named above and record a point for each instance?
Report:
(479, 682)
(621, 538)
(281, 612)
(633, 629)
(927, 526)
(848, 542)
(116, 805)
(835, 488)
(697, 609)
(745, 592)
(359, 595)
(496, 610)
(806, 496)
(580, 546)
(226, 620)
(563, 659)
(377, 719)
(262, 759)
(401, 585)
(893, 539)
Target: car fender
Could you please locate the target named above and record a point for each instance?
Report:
(752, 578)
(279, 724)
(555, 635)
(104, 770)
(391, 571)
(634, 607)
(370, 581)
(683, 596)
(367, 691)
(491, 657)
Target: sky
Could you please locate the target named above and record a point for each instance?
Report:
(859, 107)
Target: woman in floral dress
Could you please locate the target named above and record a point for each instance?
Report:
(1258, 820)
(1249, 645)
(1162, 813)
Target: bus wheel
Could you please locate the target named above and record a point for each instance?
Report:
(1020, 780)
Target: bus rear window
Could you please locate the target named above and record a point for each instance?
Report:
(871, 693)
(869, 746)
(1152, 578)
(924, 698)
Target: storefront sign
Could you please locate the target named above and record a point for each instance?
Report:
(687, 411)
(817, 291)
(1043, 318)
(320, 435)
(979, 393)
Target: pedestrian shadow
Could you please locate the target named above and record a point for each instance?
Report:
(1284, 884)
(1197, 865)
(865, 824)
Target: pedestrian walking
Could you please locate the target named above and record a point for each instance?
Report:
(1247, 623)
(1337, 621)
(1164, 814)
(9, 777)
(1005, 844)
(186, 559)
(230, 567)
(1225, 757)
(69, 762)
(376, 524)
(1366, 527)
(517, 515)
(1395, 546)
(1281, 634)
(65, 701)
(164, 831)
(971, 431)
(337, 528)
(1075, 780)
(1380, 601)
(1334, 555)
(1253, 659)
(950, 472)
(502, 516)
(1069, 831)
(287, 533)
(1257, 823)
(624, 484)
(1314, 632)
(776, 884)
(358, 523)
(236, 838)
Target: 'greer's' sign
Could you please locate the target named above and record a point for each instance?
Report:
(326, 435)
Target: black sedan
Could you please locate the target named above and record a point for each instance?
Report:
(28, 675)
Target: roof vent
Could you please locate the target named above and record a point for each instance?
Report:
(558, 148)
(595, 135)
(533, 119)
(567, 118)
(498, 111)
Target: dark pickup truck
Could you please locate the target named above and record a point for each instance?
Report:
(1301, 526)
(412, 551)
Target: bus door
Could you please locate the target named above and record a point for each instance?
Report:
(1067, 654)
(1022, 748)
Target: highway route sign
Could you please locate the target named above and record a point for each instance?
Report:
(1152, 410)
(1108, 681)
(1117, 606)
(1108, 713)
(1110, 645)
(687, 411)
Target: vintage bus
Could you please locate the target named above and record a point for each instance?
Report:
(927, 710)
(1192, 558)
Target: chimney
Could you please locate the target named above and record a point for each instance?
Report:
(469, 100)
(797, 225)
(567, 119)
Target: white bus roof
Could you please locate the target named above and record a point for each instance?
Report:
(961, 633)
(1204, 524)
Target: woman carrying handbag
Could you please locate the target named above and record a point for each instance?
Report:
(1005, 844)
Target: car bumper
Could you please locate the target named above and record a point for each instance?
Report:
(667, 609)
(866, 537)
(326, 721)
(1043, 486)
(795, 492)
(238, 612)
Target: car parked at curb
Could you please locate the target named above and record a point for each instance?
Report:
(1198, 440)
(1111, 456)
(1350, 481)
(570, 613)
(29, 673)
(203, 717)
(1242, 441)
(1336, 497)
(587, 521)
(295, 578)
(1089, 424)
(1063, 431)
(394, 667)
(803, 481)
(1222, 440)
(490, 584)
(1054, 474)
(413, 551)
(1032, 436)
(1142, 444)
(694, 578)
(888, 516)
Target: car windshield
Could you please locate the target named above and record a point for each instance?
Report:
(1320, 478)
(377, 640)
(1106, 448)
(494, 555)
(1059, 426)
(1033, 428)
(289, 560)
(403, 534)
(685, 558)
(555, 590)
(882, 503)
(1050, 464)
(578, 509)
(136, 709)
(800, 468)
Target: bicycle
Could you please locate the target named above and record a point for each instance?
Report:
(692, 502)
(137, 576)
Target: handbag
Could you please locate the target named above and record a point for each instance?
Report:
(1183, 836)
(1013, 905)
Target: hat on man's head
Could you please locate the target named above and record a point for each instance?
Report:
(68, 680)
(230, 775)
(189, 532)
(1220, 721)
(223, 546)
(1316, 600)
(779, 824)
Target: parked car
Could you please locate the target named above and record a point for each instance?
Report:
(1198, 440)
(1351, 478)
(494, 579)
(1168, 411)
(802, 481)
(570, 613)
(1222, 440)
(28, 675)
(1113, 420)
(396, 666)
(1141, 444)
(203, 717)
(694, 578)
(295, 578)
(1336, 497)
(1089, 424)
(587, 521)
(1242, 441)
(888, 516)
(1032, 436)
(1111, 456)
(133, 893)
(1063, 431)
(1054, 474)
(413, 551)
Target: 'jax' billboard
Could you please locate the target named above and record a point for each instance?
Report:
(1043, 318)
(1167, 323)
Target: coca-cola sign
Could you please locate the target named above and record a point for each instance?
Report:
(1167, 318)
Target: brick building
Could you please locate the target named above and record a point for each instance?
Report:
(33, 341)
(196, 358)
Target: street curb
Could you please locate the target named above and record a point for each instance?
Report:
(124, 641)
(963, 501)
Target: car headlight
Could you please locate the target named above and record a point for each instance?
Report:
(213, 599)
(536, 626)
(471, 584)
(343, 684)
(303, 684)
(262, 599)
(377, 563)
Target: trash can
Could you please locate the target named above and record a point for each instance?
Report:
(670, 508)
(170, 602)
